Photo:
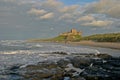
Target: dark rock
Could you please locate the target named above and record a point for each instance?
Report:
(61, 53)
(80, 62)
(78, 78)
(14, 67)
(93, 67)
(103, 69)
(43, 70)
(37, 75)
(95, 73)
(104, 56)
(54, 75)
(63, 63)
(42, 65)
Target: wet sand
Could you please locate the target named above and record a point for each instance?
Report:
(111, 45)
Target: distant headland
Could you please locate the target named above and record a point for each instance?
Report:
(108, 40)
(76, 36)
(70, 36)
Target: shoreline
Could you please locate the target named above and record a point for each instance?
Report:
(111, 45)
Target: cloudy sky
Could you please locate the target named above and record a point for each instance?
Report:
(27, 19)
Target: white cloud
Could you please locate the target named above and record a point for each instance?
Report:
(52, 3)
(9, 0)
(47, 16)
(37, 11)
(56, 10)
(66, 16)
(85, 18)
(98, 23)
(68, 9)
(108, 7)
(114, 11)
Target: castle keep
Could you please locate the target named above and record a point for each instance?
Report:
(72, 32)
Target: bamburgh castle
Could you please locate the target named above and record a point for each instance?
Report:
(72, 32)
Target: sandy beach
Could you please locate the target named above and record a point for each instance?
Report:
(111, 45)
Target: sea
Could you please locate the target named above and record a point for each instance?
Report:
(21, 52)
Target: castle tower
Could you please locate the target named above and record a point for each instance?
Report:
(73, 31)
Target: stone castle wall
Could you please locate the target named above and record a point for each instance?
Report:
(72, 32)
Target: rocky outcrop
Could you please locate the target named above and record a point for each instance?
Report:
(79, 67)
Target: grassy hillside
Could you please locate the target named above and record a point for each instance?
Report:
(67, 38)
(110, 37)
(59, 38)
(55, 39)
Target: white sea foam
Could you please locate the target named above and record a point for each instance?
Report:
(71, 67)
(69, 50)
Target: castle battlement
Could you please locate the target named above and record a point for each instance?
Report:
(72, 32)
